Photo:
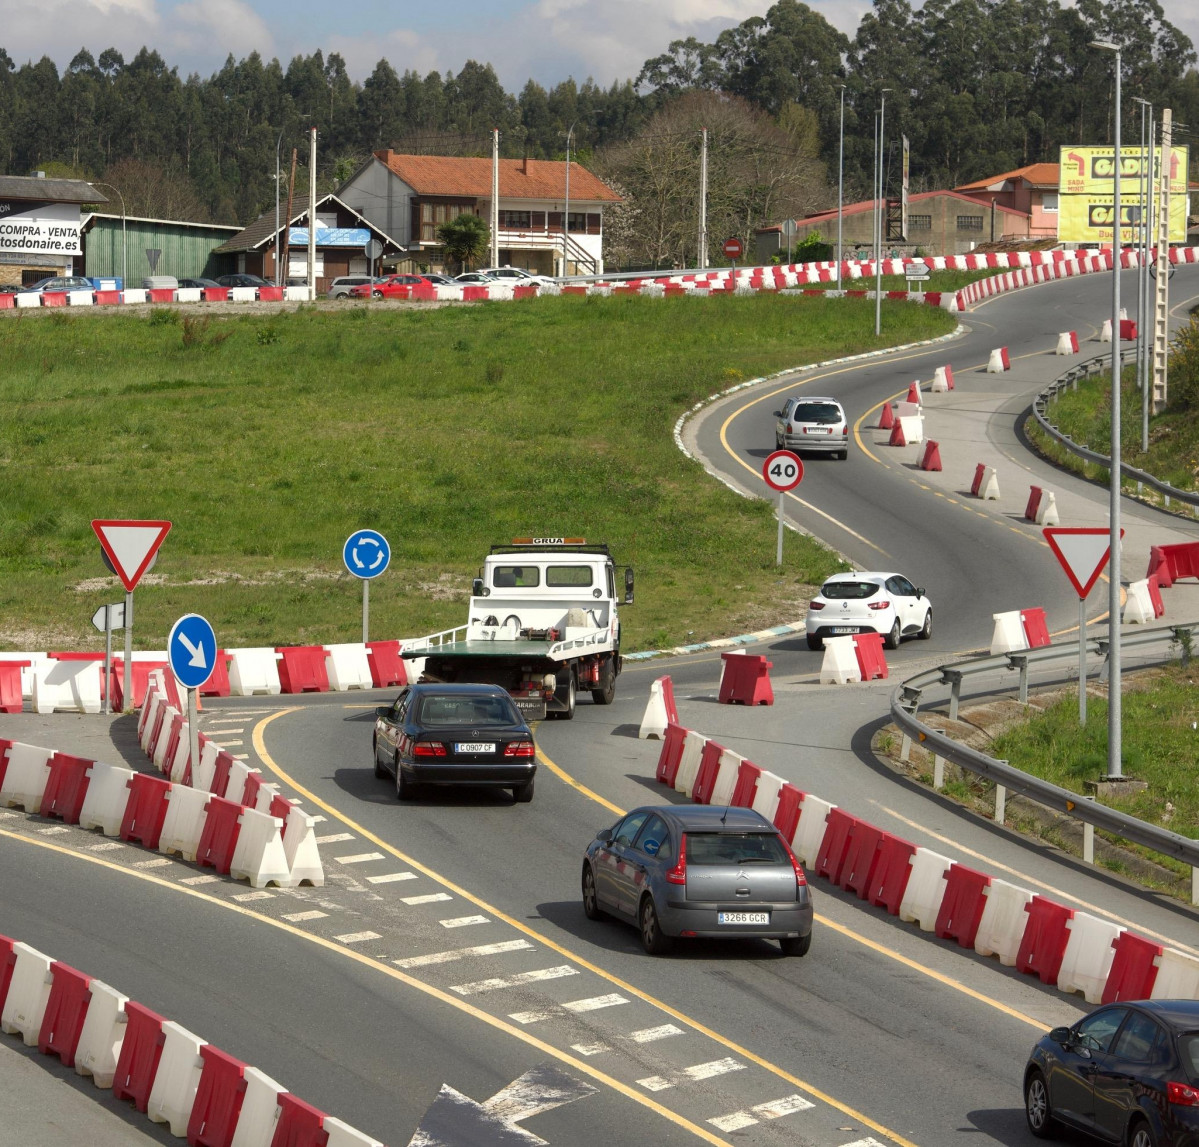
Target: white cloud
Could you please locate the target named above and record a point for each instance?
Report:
(224, 26)
(59, 28)
(402, 48)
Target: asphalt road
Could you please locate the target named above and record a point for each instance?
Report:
(449, 946)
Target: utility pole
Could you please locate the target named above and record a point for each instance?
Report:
(291, 195)
(1161, 330)
(879, 213)
(702, 246)
(312, 216)
(566, 213)
(495, 197)
(840, 185)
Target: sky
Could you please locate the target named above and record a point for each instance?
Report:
(545, 40)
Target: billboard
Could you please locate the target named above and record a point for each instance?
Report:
(28, 228)
(1086, 186)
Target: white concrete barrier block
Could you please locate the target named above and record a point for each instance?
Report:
(28, 994)
(1138, 605)
(259, 1110)
(995, 362)
(30, 300)
(159, 756)
(940, 384)
(1047, 512)
(134, 295)
(299, 846)
(1105, 333)
(348, 667)
(106, 799)
(259, 856)
(72, 686)
(238, 771)
(1003, 921)
(25, 776)
(693, 747)
(80, 298)
(1065, 344)
(204, 774)
(253, 671)
(1177, 976)
(187, 295)
(809, 832)
(1088, 956)
(102, 1035)
(726, 778)
(654, 720)
(177, 1078)
(990, 490)
(840, 664)
(178, 762)
(913, 428)
(1008, 635)
(243, 294)
(295, 294)
(145, 717)
(266, 794)
(343, 1135)
(766, 798)
(926, 889)
(184, 822)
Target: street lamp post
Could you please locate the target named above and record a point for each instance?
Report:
(566, 213)
(278, 144)
(840, 184)
(1114, 686)
(124, 247)
(1145, 185)
(879, 214)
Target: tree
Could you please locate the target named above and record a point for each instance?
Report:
(466, 238)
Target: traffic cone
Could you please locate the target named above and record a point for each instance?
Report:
(897, 438)
(887, 418)
(914, 392)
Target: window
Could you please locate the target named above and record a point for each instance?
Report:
(821, 413)
(516, 220)
(433, 215)
(920, 222)
(516, 577)
(901, 586)
(849, 590)
(626, 831)
(578, 221)
(1137, 1039)
(970, 222)
(653, 836)
(567, 576)
(716, 848)
(1096, 1031)
(1049, 201)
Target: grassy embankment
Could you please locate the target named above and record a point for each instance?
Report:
(267, 440)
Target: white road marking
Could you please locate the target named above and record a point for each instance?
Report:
(359, 858)
(227, 744)
(53, 830)
(531, 1017)
(595, 1003)
(461, 953)
(335, 838)
(107, 846)
(590, 1048)
(429, 899)
(241, 756)
(318, 818)
(867, 1142)
(775, 1109)
(648, 1035)
(390, 877)
(356, 937)
(300, 917)
(463, 921)
(254, 896)
(694, 1073)
(515, 981)
(162, 862)
(206, 879)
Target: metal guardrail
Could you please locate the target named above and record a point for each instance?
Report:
(905, 703)
(1092, 366)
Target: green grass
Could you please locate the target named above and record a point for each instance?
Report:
(267, 439)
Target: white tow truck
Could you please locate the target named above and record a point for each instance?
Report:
(543, 624)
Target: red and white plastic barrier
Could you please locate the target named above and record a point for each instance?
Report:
(999, 361)
(660, 710)
(1067, 343)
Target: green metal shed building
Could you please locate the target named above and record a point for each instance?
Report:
(149, 247)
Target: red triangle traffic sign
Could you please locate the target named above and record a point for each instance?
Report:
(130, 546)
(1083, 551)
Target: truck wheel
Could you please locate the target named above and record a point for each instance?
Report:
(605, 694)
(566, 695)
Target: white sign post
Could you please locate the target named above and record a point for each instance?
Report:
(782, 471)
(106, 619)
(1082, 551)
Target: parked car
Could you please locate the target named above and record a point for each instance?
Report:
(454, 735)
(340, 288)
(886, 603)
(817, 425)
(9, 288)
(1127, 1074)
(59, 283)
(392, 287)
(198, 283)
(242, 281)
(517, 275)
(698, 871)
(475, 279)
(160, 283)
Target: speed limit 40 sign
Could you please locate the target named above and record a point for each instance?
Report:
(782, 471)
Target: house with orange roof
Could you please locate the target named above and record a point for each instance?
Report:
(1032, 190)
(410, 196)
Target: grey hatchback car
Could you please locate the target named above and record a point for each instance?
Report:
(702, 871)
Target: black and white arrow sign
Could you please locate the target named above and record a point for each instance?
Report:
(456, 1120)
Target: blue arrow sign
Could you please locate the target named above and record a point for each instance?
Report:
(366, 554)
(191, 650)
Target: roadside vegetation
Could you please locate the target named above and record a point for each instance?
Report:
(267, 439)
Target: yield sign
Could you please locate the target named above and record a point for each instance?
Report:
(130, 546)
(1082, 551)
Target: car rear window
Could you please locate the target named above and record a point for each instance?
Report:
(719, 848)
(823, 413)
(852, 590)
(477, 711)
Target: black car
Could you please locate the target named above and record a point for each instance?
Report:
(241, 281)
(1128, 1073)
(454, 735)
(198, 283)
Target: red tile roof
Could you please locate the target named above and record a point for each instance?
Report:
(519, 178)
(1037, 174)
(869, 205)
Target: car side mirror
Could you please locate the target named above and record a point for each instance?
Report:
(604, 836)
(382, 710)
(920, 591)
(628, 585)
(1060, 1036)
(476, 587)
(778, 414)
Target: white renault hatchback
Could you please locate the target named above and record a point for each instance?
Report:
(885, 603)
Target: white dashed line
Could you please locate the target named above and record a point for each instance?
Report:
(390, 877)
(300, 917)
(431, 898)
(335, 838)
(590, 1048)
(515, 981)
(461, 953)
(463, 921)
(694, 1073)
(359, 858)
(531, 1017)
(53, 830)
(107, 846)
(775, 1109)
(318, 819)
(162, 862)
(245, 896)
(206, 879)
(227, 744)
(595, 1003)
(356, 937)
(648, 1035)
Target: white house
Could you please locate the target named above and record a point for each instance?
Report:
(409, 196)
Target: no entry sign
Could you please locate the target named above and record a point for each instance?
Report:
(732, 248)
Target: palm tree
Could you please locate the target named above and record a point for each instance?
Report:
(465, 239)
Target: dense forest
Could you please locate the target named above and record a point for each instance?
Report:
(978, 87)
